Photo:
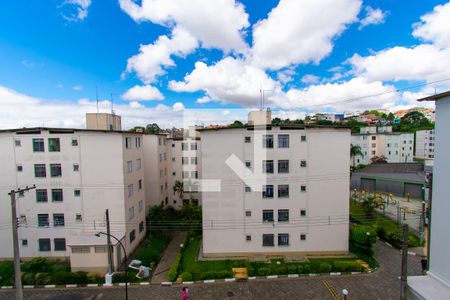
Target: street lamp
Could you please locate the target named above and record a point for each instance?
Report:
(368, 242)
(345, 293)
(125, 254)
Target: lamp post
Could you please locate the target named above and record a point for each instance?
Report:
(125, 254)
(345, 293)
(368, 242)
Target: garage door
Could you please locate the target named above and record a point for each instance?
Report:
(415, 190)
(368, 184)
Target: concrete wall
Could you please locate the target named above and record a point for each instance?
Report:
(425, 144)
(103, 121)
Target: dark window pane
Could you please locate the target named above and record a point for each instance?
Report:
(267, 166)
(283, 141)
(283, 166)
(267, 141)
(283, 215)
(58, 220)
(44, 245)
(39, 170)
(55, 170)
(43, 220)
(268, 191)
(57, 195)
(267, 215)
(38, 145)
(268, 240)
(60, 244)
(41, 195)
(283, 191)
(283, 239)
(53, 145)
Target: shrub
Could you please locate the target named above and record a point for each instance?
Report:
(42, 278)
(292, 269)
(80, 277)
(216, 274)
(381, 232)
(186, 276)
(300, 269)
(306, 268)
(94, 278)
(324, 268)
(36, 265)
(27, 278)
(281, 270)
(173, 271)
(263, 271)
(7, 273)
(347, 266)
(62, 278)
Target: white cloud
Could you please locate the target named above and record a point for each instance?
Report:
(229, 80)
(178, 106)
(77, 87)
(135, 104)
(286, 75)
(216, 24)
(435, 26)
(142, 93)
(154, 58)
(75, 10)
(28, 64)
(301, 31)
(374, 16)
(309, 79)
(203, 100)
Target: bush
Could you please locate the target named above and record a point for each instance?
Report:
(119, 277)
(42, 279)
(281, 270)
(173, 271)
(36, 265)
(263, 271)
(324, 268)
(306, 268)
(7, 273)
(62, 278)
(381, 232)
(395, 238)
(27, 278)
(80, 277)
(216, 275)
(347, 266)
(358, 234)
(186, 276)
(292, 269)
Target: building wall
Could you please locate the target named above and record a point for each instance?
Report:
(326, 177)
(425, 144)
(103, 121)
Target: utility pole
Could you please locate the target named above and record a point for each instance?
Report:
(404, 263)
(108, 241)
(15, 235)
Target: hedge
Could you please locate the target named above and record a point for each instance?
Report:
(173, 271)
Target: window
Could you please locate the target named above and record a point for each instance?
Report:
(78, 217)
(44, 245)
(374, 138)
(267, 141)
(302, 213)
(24, 243)
(138, 142)
(283, 239)
(138, 164)
(303, 163)
(130, 190)
(160, 157)
(81, 249)
(248, 189)
(388, 145)
(248, 213)
(283, 141)
(100, 249)
(41, 195)
(57, 195)
(193, 160)
(283, 215)
(174, 173)
(185, 174)
(267, 216)
(39, 170)
(129, 166)
(283, 191)
(248, 164)
(141, 226)
(53, 145)
(373, 152)
(173, 145)
(248, 139)
(374, 145)
(193, 146)
(303, 188)
(173, 158)
(38, 145)
(55, 170)
(140, 184)
(132, 235)
(283, 166)
(184, 146)
(303, 138)
(77, 193)
(58, 220)
(194, 174)
(160, 141)
(130, 213)
(141, 205)
(18, 143)
(59, 244)
(165, 156)
(185, 160)
(43, 220)
(267, 191)
(76, 167)
(267, 240)
(74, 142)
(19, 168)
(302, 237)
(128, 142)
(267, 166)
(248, 238)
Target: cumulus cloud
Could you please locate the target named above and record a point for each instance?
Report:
(142, 93)
(178, 106)
(230, 80)
(374, 16)
(77, 87)
(301, 31)
(203, 100)
(154, 58)
(435, 26)
(309, 78)
(75, 10)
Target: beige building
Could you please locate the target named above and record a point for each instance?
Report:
(78, 175)
(425, 144)
(103, 121)
(281, 190)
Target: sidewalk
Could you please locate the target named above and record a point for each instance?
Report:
(168, 257)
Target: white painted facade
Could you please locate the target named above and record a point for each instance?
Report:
(397, 147)
(316, 205)
(425, 144)
(97, 169)
(436, 285)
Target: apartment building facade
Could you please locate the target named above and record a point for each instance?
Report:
(425, 140)
(78, 173)
(397, 147)
(280, 190)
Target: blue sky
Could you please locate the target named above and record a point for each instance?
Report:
(305, 52)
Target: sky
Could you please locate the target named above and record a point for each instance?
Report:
(157, 59)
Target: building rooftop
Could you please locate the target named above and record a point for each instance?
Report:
(435, 97)
(392, 168)
(282, 127)
(30, 130)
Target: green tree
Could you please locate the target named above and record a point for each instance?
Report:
(152, 128)
(178, 188)
(276, 121)
(355, 150)
(369, 206)
(237, 124)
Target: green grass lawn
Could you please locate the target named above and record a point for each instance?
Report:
(200, 270)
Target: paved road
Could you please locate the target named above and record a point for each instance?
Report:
(382, 284)
(168, 257)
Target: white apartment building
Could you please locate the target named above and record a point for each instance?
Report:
(425, 144)
(78, 173)
(397, 147)
(281, 190)
(436, 284)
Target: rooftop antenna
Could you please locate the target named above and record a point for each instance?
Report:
(112, 104)
(262, 97)
(96, 96)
